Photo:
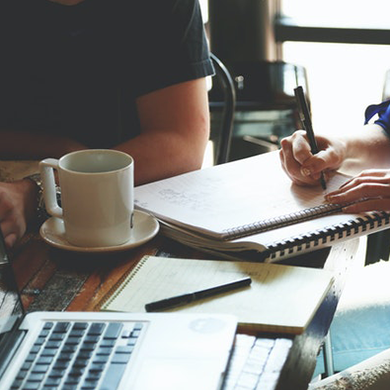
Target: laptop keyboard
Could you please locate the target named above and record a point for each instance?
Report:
(94, 355)
(256, 363)
(78, 355)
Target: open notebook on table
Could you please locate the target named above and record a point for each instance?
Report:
(249, 209)
(80, 350)
(280, 299)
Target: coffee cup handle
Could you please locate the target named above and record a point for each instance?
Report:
(46, 168)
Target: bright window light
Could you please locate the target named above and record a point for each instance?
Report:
(204, 5)
(339, 12)
(343, 78)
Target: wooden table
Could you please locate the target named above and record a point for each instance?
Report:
(52, 279)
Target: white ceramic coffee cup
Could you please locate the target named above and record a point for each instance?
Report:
(97, 196)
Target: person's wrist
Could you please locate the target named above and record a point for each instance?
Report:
(36, 206)
(349, 147)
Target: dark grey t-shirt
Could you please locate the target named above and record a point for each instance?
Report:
(77, 70)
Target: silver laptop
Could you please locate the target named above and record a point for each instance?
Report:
(84, 350)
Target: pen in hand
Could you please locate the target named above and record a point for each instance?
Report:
(307, 125)
(183, 299)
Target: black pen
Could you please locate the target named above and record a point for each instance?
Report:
(196, 295)
(306, 122)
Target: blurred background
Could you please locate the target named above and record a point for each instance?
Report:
(343, 47)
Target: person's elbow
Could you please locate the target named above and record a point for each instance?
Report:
(193, 147)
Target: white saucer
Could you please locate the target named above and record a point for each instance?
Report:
(145, 228)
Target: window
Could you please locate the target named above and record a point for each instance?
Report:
(343, 78)
(344, 13)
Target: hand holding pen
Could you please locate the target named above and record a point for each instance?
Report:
(307, 125)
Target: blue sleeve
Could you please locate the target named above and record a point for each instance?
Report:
(383, 111)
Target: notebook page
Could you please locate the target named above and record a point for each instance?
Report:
(230, 195)
(279, 298)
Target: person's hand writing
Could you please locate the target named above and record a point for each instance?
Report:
(301, 165)
(17, 207)
(369, 191)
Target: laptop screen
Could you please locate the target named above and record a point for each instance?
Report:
(11, 308)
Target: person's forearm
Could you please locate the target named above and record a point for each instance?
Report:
(159, 155)
(25, 145)
(370, 146)
(175, 125)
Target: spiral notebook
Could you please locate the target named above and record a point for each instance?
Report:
(280, 298)
(249, 209)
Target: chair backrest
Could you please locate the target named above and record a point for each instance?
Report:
(225, 130)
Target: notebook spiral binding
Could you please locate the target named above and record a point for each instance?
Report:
(353, 227)
(119, 285)
(281, 221)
